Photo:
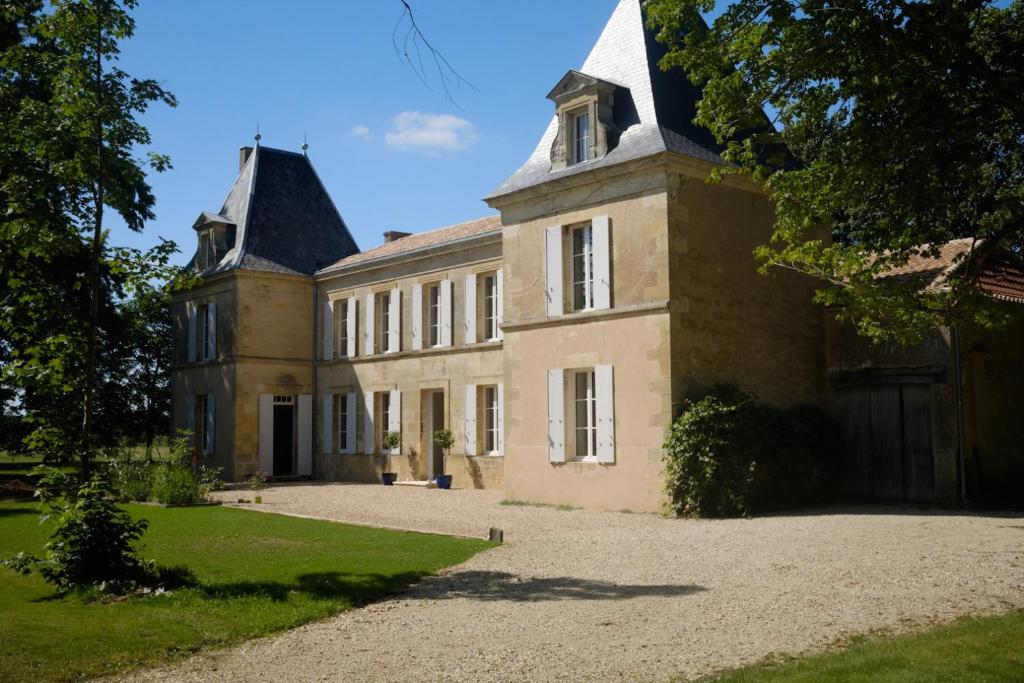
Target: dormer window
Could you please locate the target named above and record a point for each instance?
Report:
(216, 237)
(581, 137)
(586, 128)
(207, 250)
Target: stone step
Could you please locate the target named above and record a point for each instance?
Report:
(421, 484)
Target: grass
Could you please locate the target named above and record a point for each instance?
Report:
(524, 503)
(989, 649)
(259, 574)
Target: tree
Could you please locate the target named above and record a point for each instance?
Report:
(67, 152)
(899, 124)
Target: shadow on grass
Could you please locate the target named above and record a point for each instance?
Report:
(486, 585)
(356, 589)
(25, 509)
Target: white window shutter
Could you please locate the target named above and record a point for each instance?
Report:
(369, 438)
(395, 321)
(352, 316)
(350, 423)
(211, 331)
(499, 283)
(602, 262)
(556, 416)
(395, 416)
(446, 313)
(471, 309)
(417, 317)
(327, 424)
(501, 418)
(604, 399)
(190, 310)
(305, 435)
(210, 424)
(470, 419)
(328, 330)
(371, 324)
(266, 429)
(553, 270)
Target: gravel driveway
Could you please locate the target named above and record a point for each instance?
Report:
(584, 596)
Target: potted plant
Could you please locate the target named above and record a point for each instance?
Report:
(256, 482)
(444, 439)
(392, 440)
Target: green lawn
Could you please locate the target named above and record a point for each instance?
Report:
(259, 574)
(971, 650)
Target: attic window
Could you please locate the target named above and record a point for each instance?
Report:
(207, 255)
(581, 137)
(585, 107)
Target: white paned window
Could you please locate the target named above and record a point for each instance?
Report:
(206, 332)
(490, 306)
(204, 423)
(434, 315)
(341, 328)
(490, 407)
(580, 138)
(383, 401)
(383, 307)
(582, 268)
(584, 414)
(341, 424)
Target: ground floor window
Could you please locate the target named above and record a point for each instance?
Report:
(490, 421)
(383, 418)
(341, 432)
(585, 414)
(204, 421)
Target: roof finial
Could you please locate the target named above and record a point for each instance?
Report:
(305, 145)
(258, 136)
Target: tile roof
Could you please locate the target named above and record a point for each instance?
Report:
(423, 240)
(287, 222)
(1000, 276)
(655, 108)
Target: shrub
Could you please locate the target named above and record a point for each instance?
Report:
(175, 484)
(93, 542)
(256, 481)
(130, 477)
(210, 480)
(729, 455)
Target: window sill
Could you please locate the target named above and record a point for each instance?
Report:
(586, 459)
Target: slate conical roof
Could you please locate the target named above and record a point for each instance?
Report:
(284, 219)
(658, 118)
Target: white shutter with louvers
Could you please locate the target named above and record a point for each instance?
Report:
(327, 424)
(553, 270)
(602, 262)
(190, 312)
(417, 317)
(305, 436)
(395, 416)
(556, 416)
(499, 284)
(501, 418)
(370, 325)
(353, 308)
(470, 420)
(446, 312)
(470, 324)
(328, 331)
(210, 424)
(266, 430)
(369, 438)
(350, 424)
(604, 399)
(395, 321)
(211, 332)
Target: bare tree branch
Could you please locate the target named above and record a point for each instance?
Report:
(410, 49)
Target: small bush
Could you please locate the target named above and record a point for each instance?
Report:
(130, 477)
(210, 479)
(257, 480)
(729, 455)
(176, 485)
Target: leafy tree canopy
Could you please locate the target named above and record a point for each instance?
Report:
(899, 124)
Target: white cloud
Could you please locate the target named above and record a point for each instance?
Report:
(361, 131)
(431, 132)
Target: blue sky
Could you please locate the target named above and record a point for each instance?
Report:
(328, 69)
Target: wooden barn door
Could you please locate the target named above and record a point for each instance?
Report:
(888, 441)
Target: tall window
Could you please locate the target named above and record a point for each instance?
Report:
(341, 435)
(207, 255)
(434, 315)
(581, 138)
(341, 328)
(204, 424)
(585, 414)
(383, 417)
(582, 268)
(490, 408)
(490, 292)
(206, 342)
(384, 318)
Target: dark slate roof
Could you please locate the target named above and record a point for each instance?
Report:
(656, 108)
(287, 223)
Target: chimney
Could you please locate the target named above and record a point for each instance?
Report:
(392, 235)
(243, 156)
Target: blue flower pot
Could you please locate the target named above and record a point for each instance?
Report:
(389, 478)
(444, 481)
